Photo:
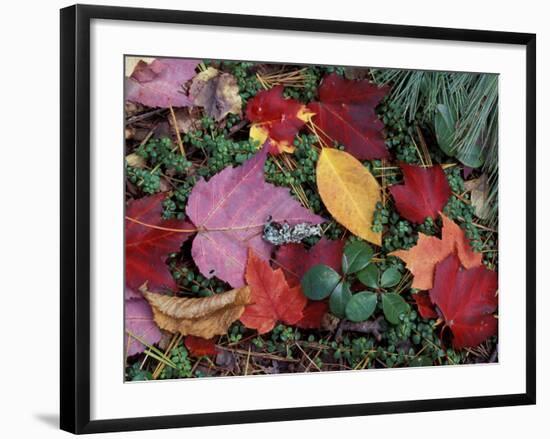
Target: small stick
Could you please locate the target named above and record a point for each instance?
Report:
(178, 137)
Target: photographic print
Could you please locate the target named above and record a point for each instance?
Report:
(288, 218)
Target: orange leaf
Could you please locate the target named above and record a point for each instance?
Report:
(272, 300)
(429, 251)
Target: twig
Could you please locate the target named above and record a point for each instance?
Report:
(176, 129)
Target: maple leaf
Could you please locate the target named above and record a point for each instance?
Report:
(272, 300)
(314, 312)
(295, 260)
(425, 306)
(276, 120)
(198, 346)
(160, 83)
(467, 300)
(148, 247)
(349, 192)
(230, 211)
(199, 316)
(346, 113)
(139, 322)
(429, 251)
(424, 194)
(217, 92)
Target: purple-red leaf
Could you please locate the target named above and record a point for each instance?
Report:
(230, 211)
(160, 83)
(148, 247)
(295, 260)
(424, 194)
(346, 113)
(139, 322)
(467, 299)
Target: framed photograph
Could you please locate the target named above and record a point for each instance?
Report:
(268, 219)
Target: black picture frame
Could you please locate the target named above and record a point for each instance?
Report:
(75, 217)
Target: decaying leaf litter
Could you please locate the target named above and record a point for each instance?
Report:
(305, 217)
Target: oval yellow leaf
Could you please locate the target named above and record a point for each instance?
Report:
(349, 191)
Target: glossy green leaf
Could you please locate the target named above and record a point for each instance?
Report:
(319, 282)
(357, 256)
(472, 156)
(393, 306)
(361, 306)
(444, 123)
(390, 277)
(339, 299)
(369, 276)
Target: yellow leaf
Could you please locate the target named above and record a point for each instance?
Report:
(202, 317)
(349, 192)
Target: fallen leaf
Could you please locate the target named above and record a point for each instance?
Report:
(272, 300)
(187, 119)
(295, 260)
(199, 347)
(135, 160)
(276, 120)
(130, 63)
(216, 92)
(314, 312)
(349, 192)
(479, 195)
(424, 194)
(230, 211)
(429, 251)
(425, 306)
(160, 83)
(138, 319)
(202, 317)
(148, 245)
(467, 299)
(346, 113)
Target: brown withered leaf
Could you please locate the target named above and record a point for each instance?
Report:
(202, 317)
(217, 92)
(479, 194)
(136, 161)
(187, 119)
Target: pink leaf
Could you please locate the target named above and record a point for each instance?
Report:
(230, 211)
(139, 321)
(160, 83)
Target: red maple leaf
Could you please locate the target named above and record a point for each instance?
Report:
(295, 260)
(346, 113)
(424, 194)
(230, 211)
(467, 300)
(198, 346)
(425, 306)
(313, 314)
(276, 120)
(149, 241)
(272, 299)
